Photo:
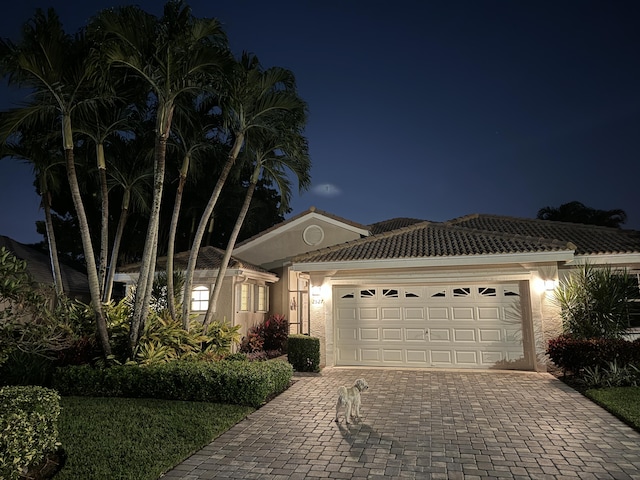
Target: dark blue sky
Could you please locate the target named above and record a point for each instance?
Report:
(431, 109)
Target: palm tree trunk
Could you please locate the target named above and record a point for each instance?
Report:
(148, 264)
(217, 288)
(195, 248)
(104, 224)
(124, 214)
(172, 238)
(92, 273)
(53, 248)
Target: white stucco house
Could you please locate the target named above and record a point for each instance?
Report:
(472, 292)
(244, 298)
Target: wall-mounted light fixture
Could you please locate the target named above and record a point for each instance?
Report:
(549, 285)
(316, 291)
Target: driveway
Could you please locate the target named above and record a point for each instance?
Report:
(424, 424)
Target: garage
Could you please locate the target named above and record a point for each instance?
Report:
(450, 326)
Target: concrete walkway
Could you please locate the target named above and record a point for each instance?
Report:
(424, 424)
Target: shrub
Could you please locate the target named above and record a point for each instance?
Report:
(28, 428)
(234, 382)
(271, 335)
(574, 355)
(610, 376)
(595, 302)
(304, 353)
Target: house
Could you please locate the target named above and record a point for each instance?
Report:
(244, 298)
(39, 268)
(472, 292)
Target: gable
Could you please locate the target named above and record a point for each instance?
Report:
(308, 232)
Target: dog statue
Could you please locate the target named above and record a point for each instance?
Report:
(349, 398)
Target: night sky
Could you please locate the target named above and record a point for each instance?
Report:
(433, 109)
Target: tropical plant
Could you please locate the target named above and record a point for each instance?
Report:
(55, 66)
(248, 100)
(175, 55)
(595, 302)
(273, 153)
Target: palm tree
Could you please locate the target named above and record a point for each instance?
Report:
(54, 66)
(101, 122)
(275, 153)
(130, 171)
(576, 212)
(175, 55)
(46, 162)
(249, 97)
(192, 127)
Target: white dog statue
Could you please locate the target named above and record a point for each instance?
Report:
(349, 399)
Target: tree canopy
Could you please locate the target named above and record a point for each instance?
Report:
(576, 212)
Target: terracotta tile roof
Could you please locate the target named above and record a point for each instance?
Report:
(39, 267)
(209, 258)
(392, 224)
(300, 215)
(589, 239)
(429, 239)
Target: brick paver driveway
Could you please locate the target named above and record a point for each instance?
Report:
(424, 424)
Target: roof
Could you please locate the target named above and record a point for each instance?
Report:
(299, 216)
(39, 267)
(209, 258)
(431, 239)
(392, 224)
(588, 239)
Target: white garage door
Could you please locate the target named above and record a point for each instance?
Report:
(458, 326)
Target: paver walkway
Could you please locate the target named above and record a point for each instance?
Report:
(424, 424)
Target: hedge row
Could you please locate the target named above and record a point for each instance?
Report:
(575, 355)
(232, 382)
(28, 428)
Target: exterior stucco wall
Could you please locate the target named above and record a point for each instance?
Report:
(290, 242)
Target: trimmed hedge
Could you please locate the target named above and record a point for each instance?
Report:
(303, 352)
(232, 382)
(28, 428)
(574, 355)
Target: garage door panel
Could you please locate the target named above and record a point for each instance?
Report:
(369, 334)
(464, 335)
(392, 334)
(489, 313)
(370, 354)
(490, 335)
(392, 355)
(466, 357)
(346, 314)
(462, 313)
(368, 313)
(441, 357)
(346, 334)
(439, 334)
(438, 313)
(415, 335)
(391, 313)
(347, 355)
(417, 357)
(491, 358)
(414, 313)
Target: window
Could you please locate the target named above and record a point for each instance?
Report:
(262, 297)
(245, 297)
(200, 299)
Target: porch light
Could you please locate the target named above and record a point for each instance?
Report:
(316, 291)
(549, 285)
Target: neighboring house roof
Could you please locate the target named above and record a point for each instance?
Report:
(39, 267)
(294, 219)
(209, 258)
(588, 239)
(392, 224)
(429, 239)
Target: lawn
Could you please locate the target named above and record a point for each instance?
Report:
(624, 402)
(107, 438)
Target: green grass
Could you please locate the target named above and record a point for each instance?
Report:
(624, 402)
(124, 438)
